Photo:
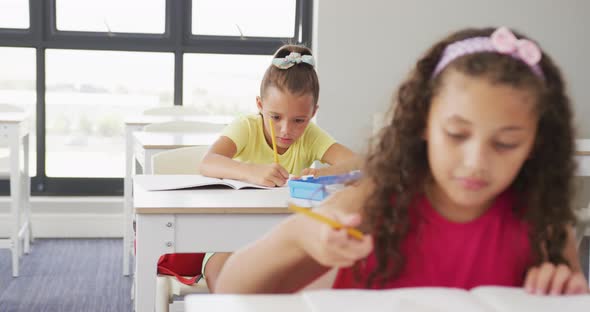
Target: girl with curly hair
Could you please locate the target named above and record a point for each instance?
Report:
(469, 184)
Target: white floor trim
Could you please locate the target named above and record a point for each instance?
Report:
(70, 217)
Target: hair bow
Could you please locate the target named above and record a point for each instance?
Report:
(506, 42)
(292, 59)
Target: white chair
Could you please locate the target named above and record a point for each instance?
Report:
(9, 108)
(583, 230)
(175, 110)
(583, 226)
(183, 126)
(177, 161)
(184, 160)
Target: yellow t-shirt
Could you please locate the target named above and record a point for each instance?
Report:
(247, 133)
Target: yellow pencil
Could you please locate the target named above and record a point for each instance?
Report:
(333, 223)
(274, 143)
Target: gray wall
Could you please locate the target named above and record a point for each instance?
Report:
(364, 49)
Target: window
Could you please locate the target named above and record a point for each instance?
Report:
(83, 66)
(221, 84)
(89, 94)
(129, 16)
(14, 14)
(252, 18)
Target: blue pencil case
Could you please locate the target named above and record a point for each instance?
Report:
(316, 188)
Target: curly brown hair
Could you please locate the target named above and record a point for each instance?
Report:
(298, 80)
(398, 168)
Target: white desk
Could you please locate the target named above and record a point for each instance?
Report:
(505, 299)
(14, 131)
(132, 124)
(244, 303)
(583, 157)
(197, 221)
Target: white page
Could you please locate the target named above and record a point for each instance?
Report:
(426, 299)
(509, 299)
(164, 182)
(241, 184)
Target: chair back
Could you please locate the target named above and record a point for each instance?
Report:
(183, 126)
(184, 160)
(175, 110)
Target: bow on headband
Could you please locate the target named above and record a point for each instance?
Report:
(506, 42)
(501, 41)
(292, 59)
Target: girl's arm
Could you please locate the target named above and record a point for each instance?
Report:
(218, 163)
(268, 265)
(548, 278)
(298, 250)
(341, 160)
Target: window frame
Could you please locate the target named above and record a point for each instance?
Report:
(42, 34)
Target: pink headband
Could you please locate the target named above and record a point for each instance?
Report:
(502, 41)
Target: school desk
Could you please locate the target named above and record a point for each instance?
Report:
(418, 299)
(583, 159)
(14, 132)
(196, 220)
(132, 124)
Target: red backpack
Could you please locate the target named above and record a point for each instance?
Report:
(181, 265)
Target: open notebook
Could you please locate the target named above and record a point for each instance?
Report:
(163, 182)
(434, 299)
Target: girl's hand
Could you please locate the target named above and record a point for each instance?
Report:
(335, 247)
(267, 174)
(550, 279)
(315, 172)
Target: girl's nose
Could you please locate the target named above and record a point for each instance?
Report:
(284, 127)
(476, 156)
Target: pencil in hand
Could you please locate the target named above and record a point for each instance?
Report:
(333, 223)
(274, 142)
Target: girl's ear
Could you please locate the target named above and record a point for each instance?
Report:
(259, 104)
(315, 109)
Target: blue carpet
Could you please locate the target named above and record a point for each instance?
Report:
(64, 275)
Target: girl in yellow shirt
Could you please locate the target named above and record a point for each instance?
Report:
(289, 96)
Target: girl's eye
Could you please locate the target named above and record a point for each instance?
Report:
(275, 117)
(456, 136)
(299, 120)
(504, 146)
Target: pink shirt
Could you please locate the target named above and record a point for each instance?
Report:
(490, 250)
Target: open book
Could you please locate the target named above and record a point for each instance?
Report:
(163, 182)
(435, 299)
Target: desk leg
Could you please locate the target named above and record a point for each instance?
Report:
(153, 240)
(147, 162)
(15, 198)
(27, 196)
(127, 198)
